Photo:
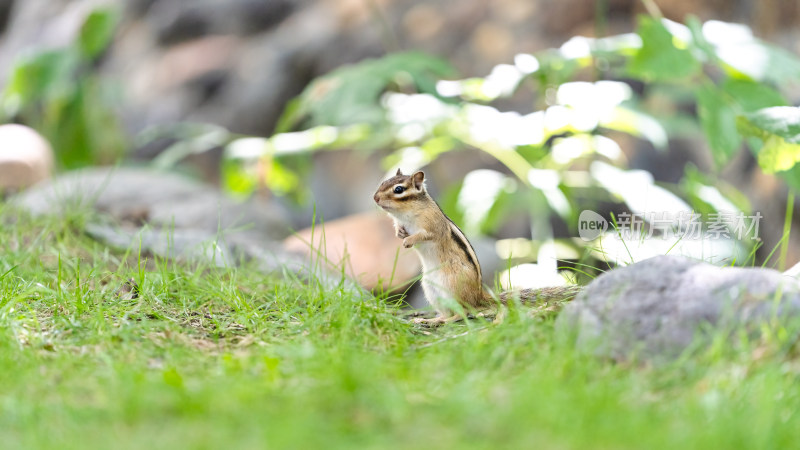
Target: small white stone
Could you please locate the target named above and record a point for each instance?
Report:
(26, 158)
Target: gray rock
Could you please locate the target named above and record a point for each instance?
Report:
(173, 217)
(5, 13)
(218, 250)
(655, 309)
(160, 199)
(176, 21)
(181, 245)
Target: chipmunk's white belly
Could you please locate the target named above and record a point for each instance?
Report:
(434, 283)
(409, 225)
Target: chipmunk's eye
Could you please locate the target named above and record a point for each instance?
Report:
(399, 189)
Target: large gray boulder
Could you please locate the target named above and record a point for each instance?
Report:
(162, 213)
(135, 196)
(174, 217)
(655, 309)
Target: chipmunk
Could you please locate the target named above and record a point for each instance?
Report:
(450, 267)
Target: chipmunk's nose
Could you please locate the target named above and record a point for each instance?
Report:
(375, 197)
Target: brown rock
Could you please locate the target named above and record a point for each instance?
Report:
(25, 157)
(493, 42)
(189, 60)
(514, 11)
(423, 22)
(365, 244)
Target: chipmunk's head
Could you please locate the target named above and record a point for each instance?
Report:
(401, 192)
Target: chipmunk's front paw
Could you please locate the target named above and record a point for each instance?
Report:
(402, 233)
(408, 242)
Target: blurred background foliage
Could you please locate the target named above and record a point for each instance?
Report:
(713, 78)
(560, 154)
(59, 93)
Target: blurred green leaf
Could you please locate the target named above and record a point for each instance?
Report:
(506, 203)
(636, 188)
(74, 147)
(238, 178)
(282, 180)
(38, 75)
(83, 132)
(483, 200)
(777, 155)
(417, 157)
(782, 121)
(751, 95)
(699, 41)
(241, 176)
(351, 94)
(554, 69)
(197, 138)
(762, 62)
(792, 177)
(97, 31)
(448, 201)
(708, 194)
(659, 59)
(782, 66)
(779, 128)
(636, 123)
(718, 120)
(291, 116)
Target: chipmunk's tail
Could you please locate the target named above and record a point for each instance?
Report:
(540, 295)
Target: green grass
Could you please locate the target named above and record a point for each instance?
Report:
(231, 358)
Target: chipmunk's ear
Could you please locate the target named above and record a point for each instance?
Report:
(418, 179)
(398, 172)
